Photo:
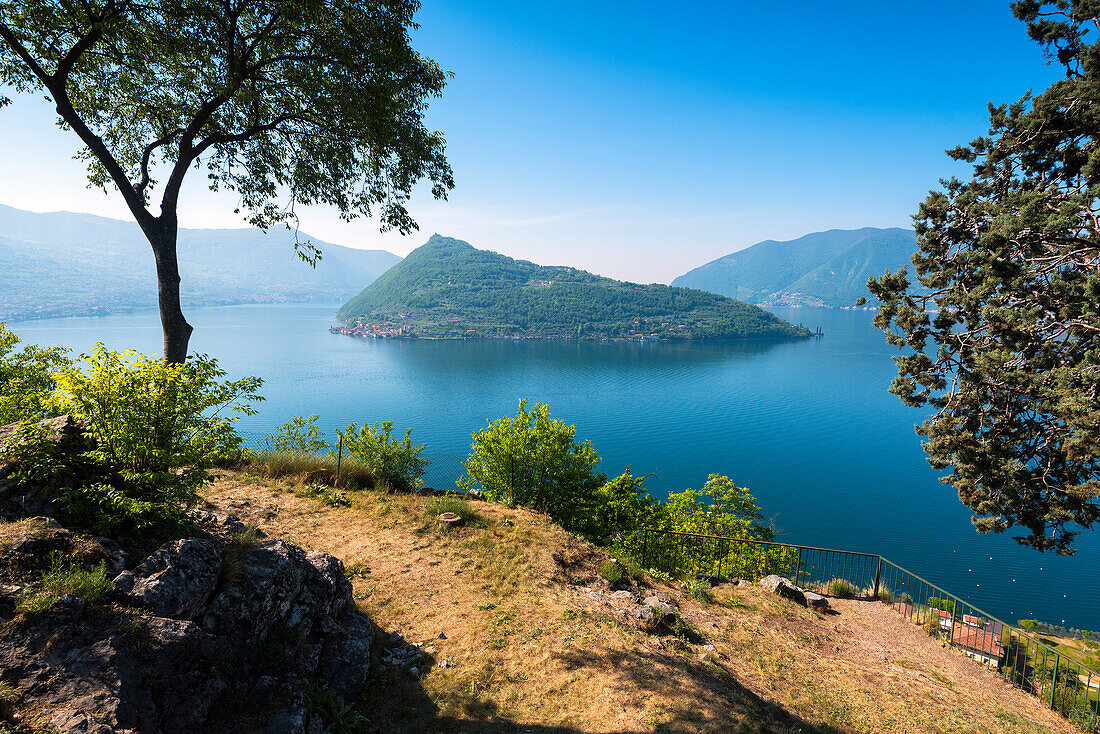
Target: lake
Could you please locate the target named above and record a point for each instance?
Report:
(808, 426)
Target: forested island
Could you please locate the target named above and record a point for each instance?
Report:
(448, 289)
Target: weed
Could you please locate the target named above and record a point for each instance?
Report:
(340, 717)
(325, 495)
(699, 591)
(357, 571)
(65, 578)
(9, 694)
(659, 575)
(486, 607)
(883, 594)
(612, 571)
(685, 630)
(944, 679)
(233, 560)
(840, 588)
(275, 464)
(436, 506)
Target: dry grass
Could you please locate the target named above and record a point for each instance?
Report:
(505, 605)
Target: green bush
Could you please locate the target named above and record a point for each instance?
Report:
(392, 461)
(159, 429)
(534, 460)
(26, 378)
(840, 588)
(297, 436)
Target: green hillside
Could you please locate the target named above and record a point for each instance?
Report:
(821, 269)
(447, 288)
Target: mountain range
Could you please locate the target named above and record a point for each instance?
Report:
(447, 288)
(62, 264)
(821, 269)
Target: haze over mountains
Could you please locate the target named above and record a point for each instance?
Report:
(820, 269)
(61, 264)
(448, 288)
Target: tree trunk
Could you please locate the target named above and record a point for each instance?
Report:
(177, 332)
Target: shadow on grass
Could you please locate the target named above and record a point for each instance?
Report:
(727, 706)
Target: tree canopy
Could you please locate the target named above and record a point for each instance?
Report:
(283, 102)
(1006, 345)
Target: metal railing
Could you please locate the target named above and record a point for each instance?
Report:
(1063, 683)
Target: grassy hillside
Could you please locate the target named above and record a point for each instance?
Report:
(449, 288)
(515, 643)
(64, 264)
(821, 269)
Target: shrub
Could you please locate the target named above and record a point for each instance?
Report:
(883, 594)
(395, 462)
(840, 588)
(26, 378)
(1028, 624)
(297, 436)
(534, 460)
(658, 575)
(159, 429)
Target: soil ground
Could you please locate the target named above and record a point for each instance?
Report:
(516, 645)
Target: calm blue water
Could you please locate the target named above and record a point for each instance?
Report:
(808, 426)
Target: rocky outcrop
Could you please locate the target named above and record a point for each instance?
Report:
(183, 633)
(784, 588)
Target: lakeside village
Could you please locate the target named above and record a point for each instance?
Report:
(365, 328)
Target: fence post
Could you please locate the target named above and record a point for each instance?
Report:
(339, 457)
(1054, 679)
(878, 575)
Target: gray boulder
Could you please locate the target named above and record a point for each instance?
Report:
(270, 578)
(662, 608)
(784, 588)
(176, 580)
(816, 601)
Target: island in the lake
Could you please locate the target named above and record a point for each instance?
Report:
(448, 289)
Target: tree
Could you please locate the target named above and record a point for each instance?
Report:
(283, 102)
(1006, 346)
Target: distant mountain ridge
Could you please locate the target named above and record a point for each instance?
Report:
(820, 269)
(61, 264)
(447, 288)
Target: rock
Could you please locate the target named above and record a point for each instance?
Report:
(816, 601)
(346, 657)
(270, 578)
(743, 583)
(624, 596)
(784, 588)
(642, 615)
(662, 609)
(476, 494)
(219, 522)
(597, 597)
(176, 580)
(444, 664)
(441, 636)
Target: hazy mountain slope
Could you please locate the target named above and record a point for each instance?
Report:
(62, 263)
(449, 288)
(824, 268)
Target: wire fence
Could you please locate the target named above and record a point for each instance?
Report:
(1064, 683)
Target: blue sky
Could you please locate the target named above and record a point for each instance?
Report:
(640, 140)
